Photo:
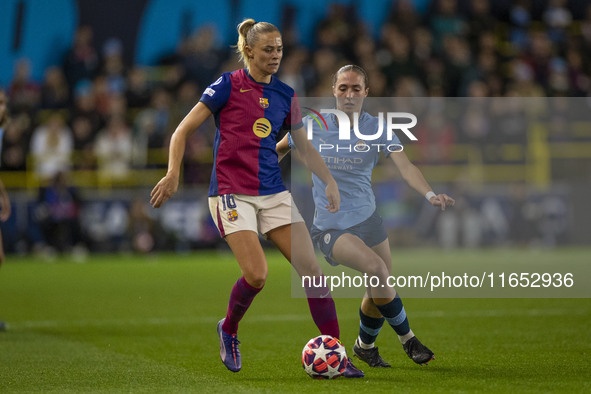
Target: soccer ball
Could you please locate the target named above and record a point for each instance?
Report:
(324, 357)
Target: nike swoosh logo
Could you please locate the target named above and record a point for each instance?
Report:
(245, 90)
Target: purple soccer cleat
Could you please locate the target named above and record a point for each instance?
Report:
(229, 352)
(351, 371)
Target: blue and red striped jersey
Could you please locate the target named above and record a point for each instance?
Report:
(249, 116)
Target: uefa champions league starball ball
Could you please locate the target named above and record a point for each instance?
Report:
(324, 357)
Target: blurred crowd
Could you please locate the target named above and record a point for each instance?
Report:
(96, 112)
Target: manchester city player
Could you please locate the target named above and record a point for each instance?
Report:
(246, 193)
(355, 236)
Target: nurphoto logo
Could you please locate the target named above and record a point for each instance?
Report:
(402, 121)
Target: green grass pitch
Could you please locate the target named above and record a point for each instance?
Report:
(147, 324)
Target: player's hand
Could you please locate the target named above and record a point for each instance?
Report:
(442, 200)
(164, 190)
(333, 196)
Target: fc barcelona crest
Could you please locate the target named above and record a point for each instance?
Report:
(233, 215)
(264, 102)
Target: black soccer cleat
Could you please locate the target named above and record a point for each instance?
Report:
(370, 356)
(418, 352)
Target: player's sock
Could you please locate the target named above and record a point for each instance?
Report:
(396, 316)
(323, 310)
(240, 299)
(369, 328)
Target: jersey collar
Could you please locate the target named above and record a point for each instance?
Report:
(259, 83)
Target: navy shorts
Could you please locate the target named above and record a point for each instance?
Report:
(371, 231)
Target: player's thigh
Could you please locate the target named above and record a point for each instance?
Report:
(383, 250)
(250, 256)
(294, 242)
(236, 220)
(349, 250)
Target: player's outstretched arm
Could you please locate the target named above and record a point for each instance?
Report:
(414, 177)
(170, 183)
(314, 163)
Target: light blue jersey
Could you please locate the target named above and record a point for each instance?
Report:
(351, 164)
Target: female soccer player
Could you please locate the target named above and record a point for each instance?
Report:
(246, 193)
(355, 236)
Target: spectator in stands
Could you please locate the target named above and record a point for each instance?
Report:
(144, 231)
(84, 137)
(458, 61)
(446, 21)
(201, 56)
(51, 147)
(404, 16)
(520, 18)
(82, 61)
(113, 149)
(159, 115)
(138, 90)
(180, 105)
(400, 63)
(292, 70)
(24, 92)
(113, 67)
(586, 33)
(480, 21)
(579, 80)
(523, 82)
(85, 104)
(58, 212)
(538, 56)
(324, 62)
(102, 95)
(15, 144)
(558, 18)
(422, 47)
(338, 29)
(55, 93)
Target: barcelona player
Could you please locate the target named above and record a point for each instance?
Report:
(246, 193)
(355, 236)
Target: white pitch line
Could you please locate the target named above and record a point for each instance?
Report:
(163, 321)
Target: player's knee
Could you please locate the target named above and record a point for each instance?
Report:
(377, 268)
(256, 279)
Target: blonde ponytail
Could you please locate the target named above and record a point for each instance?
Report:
(248, 34)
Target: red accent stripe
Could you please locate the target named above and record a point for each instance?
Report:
(220, 224)
(321, 117)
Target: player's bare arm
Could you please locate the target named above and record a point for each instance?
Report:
(282, 147)
(169, 184)
(414, 177)
(314, 163)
